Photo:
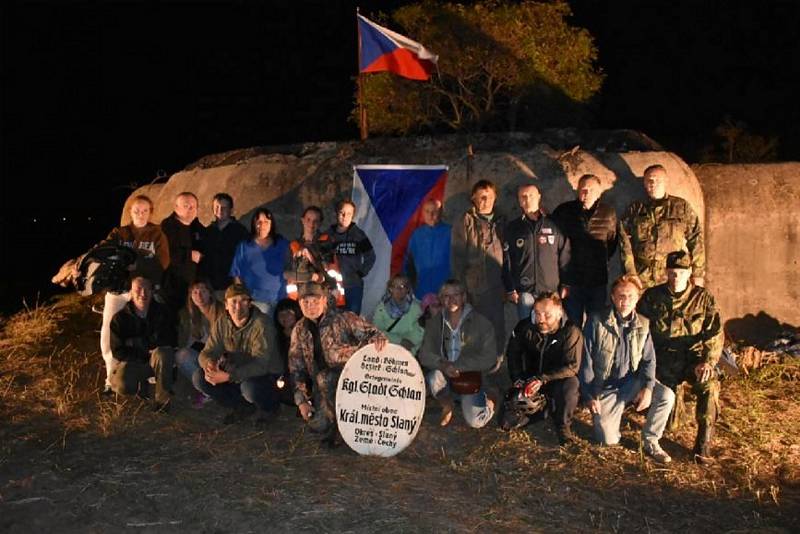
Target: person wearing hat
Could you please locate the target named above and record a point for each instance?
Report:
(653, 228)
(322, 342)
(240, 365)
(687, 335)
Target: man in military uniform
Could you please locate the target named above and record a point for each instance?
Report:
(687, 334)
(322, 342)
(653, 228)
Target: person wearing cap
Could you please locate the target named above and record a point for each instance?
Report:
(427, 262)
(321, 343)
(240, 365)
(654, 227)
(687, 335)
(619, 370)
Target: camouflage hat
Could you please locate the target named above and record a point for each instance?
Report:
(678, 260)
(310, 288)
(236, 290)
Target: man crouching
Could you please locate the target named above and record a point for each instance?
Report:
(459, 342)
(322, 342)
(239, 365)
(142, 340)
(544, 355)
(620, 370)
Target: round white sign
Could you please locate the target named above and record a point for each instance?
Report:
(380, 400)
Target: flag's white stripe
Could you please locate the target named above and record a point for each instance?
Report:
(404, 42)
(370, 223)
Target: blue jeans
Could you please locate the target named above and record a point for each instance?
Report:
(352, 298)
(186, 360)
(524, 305)
(613, 402)
(584, 300)
(259, 390)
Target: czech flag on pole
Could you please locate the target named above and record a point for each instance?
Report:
(389, 201)
(381, 50)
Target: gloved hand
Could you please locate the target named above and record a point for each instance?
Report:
(532, 386)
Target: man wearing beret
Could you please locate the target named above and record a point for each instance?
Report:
(687, 335)
(240, 366)
(322, 342)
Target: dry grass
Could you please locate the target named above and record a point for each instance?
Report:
(63, 445)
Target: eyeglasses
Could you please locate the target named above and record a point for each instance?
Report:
(450, 295)
(399, 286)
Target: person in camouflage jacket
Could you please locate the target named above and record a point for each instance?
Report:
(322, 342)
(687, 335)
(653, 228)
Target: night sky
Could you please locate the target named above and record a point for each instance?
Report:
(97, 96)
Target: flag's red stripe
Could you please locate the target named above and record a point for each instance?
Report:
(402, 62)
(401, 241)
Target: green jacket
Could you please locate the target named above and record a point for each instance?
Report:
(686, 329)
(250, 351)
(407, 327)
(477, 251)
(478, 349)
(652, 229)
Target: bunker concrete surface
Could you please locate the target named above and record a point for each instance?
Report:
(752, 241)
(751, 228)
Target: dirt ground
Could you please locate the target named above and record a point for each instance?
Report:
(72, 461)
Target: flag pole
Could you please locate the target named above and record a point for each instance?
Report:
(362, 110)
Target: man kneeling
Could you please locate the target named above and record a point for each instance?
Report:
(239, 366)
(544, 355)
(142, 337)
(458, 341)
(620, 370)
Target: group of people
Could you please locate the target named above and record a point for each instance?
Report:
(290, 317)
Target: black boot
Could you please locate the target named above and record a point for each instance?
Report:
(702, 444)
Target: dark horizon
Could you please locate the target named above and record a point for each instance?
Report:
(99, 96)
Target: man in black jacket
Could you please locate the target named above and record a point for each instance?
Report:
(544, 354)
(221, 238)
(185, 236)
(591, 226)
(142, 340)
(535, 252)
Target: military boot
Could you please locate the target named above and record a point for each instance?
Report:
(702, 444)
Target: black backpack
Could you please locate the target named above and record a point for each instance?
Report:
(105, 267)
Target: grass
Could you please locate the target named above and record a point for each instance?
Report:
(50, 379)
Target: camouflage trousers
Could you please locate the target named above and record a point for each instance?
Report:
(325, 383)
(706, 408)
